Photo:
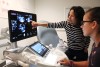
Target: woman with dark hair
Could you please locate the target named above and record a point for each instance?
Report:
(77, 43)
(78, 13)
(90, 27)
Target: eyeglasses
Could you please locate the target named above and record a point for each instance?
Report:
(82, 22)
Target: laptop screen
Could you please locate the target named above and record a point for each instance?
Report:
(39, 48)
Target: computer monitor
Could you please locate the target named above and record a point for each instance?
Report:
(20, 25)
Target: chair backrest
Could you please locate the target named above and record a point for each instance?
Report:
(47, 36)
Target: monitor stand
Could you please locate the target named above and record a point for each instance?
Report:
(14, 45)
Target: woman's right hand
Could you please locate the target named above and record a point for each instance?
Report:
(34, 24)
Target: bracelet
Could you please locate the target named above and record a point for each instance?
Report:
(71, 63)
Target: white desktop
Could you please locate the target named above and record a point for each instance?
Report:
(49, 61)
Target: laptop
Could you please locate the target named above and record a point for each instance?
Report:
(46, 53)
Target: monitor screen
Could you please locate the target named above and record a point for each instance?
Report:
(20, 25)
(39, 48)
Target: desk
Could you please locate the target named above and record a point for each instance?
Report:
(50, 61)
(27, 57)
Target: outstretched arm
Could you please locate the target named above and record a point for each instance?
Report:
(35, 24)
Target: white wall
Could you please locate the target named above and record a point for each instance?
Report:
(19, 5)
(55, 10)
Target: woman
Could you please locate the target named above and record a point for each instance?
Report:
(90, 27)
(77, 43)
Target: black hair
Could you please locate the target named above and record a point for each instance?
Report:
(94, 15)
(79, 13)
